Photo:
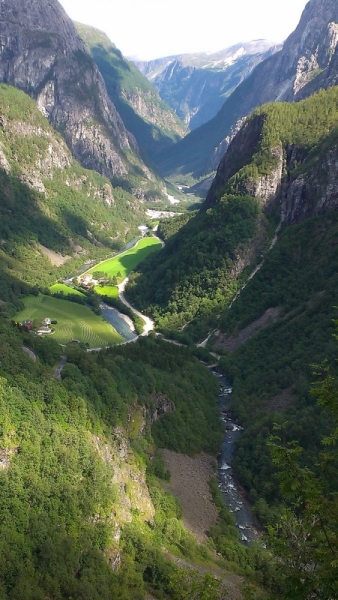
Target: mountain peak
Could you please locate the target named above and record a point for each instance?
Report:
(42, 54)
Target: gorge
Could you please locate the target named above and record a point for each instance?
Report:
(91, 421)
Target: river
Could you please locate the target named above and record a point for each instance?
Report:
(233, 495)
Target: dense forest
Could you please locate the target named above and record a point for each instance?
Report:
(80, 470)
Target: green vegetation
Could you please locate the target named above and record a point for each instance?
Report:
(305, 539)
(195, 269)
(121, 265)
(109, 291)
(305, 124)
(66, 290)
(61, 445)
(76, 212)
(272, 371)
(74, 321)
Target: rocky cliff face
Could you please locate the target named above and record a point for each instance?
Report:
(146, 116)
(41, 53)
(313, 191)
(196, 85)
(298, 179)
(307, 62)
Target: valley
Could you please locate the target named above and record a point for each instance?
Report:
(168, 405)
(76, 321)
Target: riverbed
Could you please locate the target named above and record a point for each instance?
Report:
(233, 495)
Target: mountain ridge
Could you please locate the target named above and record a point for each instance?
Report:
(146, 116)
(307, 52)
(55, 55)
(196, 85)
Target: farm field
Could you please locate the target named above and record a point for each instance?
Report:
(56, 288)
(111, 291)
(74, 321)
(127, 261)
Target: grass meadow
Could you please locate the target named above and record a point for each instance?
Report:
(57, 288)
(74, 321)
(127, 261)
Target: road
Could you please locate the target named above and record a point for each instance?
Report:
(30, 353)
(58, 370)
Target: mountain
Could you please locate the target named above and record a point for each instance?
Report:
(280, 167)
(146, 116)
(54, 214)
(196, 85)
(42, 54)
(253, 275)
(306, 63)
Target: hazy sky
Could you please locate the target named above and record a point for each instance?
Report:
(155, 28)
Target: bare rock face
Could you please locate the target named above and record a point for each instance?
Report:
(313, 192)
(307, 62)
(41, 53)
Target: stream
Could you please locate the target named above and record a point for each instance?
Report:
(233, 496)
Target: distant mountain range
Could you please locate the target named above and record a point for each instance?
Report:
(196, 85)
(307, 62)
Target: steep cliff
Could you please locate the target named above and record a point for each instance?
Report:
(307, 62)
(196, 85)
(42, 54)
(280, 167)
(146, 116)
(285, 155)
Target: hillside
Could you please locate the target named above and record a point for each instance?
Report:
(54, 214)
(279, 167)
(268, 302)
(197, 85)
(42, 54)
(306, 63)
(145, 115)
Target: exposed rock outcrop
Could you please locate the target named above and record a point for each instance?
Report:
(307, 62)
(196, 85)
(42, 54)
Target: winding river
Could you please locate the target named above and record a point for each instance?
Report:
(233, 496)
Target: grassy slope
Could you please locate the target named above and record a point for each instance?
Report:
(127, 261)
(73, 321)
(58, 288)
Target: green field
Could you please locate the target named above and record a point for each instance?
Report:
(74, 321)
(127, 261)
(107, 290)
(57, 288)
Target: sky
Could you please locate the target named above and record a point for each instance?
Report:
(148, 29)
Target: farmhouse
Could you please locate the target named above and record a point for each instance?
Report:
(43, 330)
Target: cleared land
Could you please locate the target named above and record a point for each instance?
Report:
(57, 288)
(189, 482)
(127, 261)
(74, 321)
(112, 291)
